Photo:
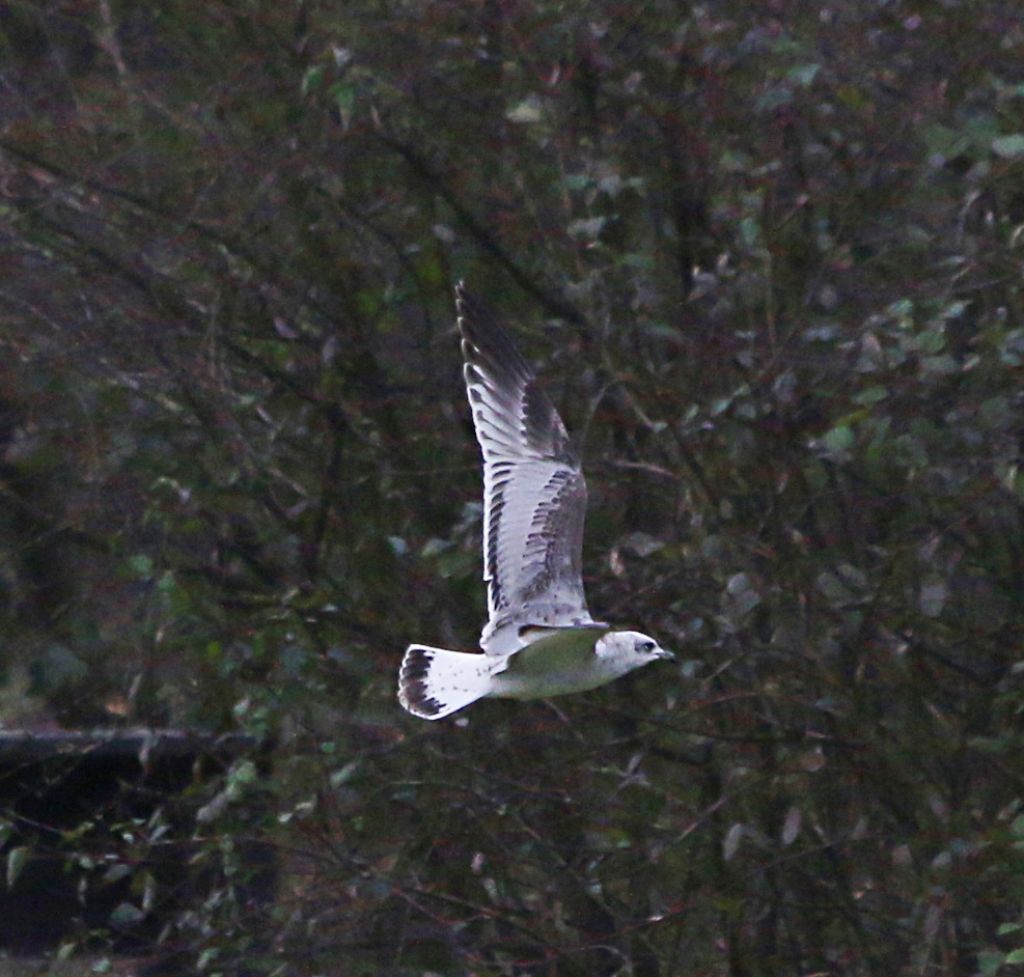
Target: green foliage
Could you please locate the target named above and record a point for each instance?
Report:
(768, 260)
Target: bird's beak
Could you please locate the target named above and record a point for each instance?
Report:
(667, 655)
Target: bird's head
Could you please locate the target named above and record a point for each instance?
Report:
(631, 649)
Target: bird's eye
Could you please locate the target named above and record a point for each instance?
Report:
(645, 646)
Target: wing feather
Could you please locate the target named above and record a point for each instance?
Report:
(535, 497)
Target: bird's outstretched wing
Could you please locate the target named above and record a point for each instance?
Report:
(535, 498)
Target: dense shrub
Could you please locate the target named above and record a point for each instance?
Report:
(767, 259)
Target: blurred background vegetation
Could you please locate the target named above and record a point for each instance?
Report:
(768, 260)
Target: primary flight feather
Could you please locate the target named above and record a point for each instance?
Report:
(539, 639)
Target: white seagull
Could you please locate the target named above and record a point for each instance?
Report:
(540, 639)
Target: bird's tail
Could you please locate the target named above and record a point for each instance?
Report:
(434, 682)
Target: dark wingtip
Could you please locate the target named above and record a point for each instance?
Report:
(467, 307)
(484, 339)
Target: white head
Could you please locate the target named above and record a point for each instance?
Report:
(622, 651)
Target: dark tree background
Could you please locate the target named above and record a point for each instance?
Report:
(768, 260)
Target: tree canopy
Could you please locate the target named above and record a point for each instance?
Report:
(767, 260)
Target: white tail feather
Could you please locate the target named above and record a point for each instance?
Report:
(435, 682)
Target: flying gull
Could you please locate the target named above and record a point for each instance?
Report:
(540, 639)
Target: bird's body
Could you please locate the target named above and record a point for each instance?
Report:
(556, 662)
(540, 639)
